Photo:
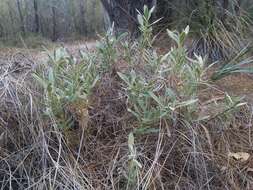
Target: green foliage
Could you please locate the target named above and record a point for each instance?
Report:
(141, 99)
(128, 50)
(238, 64)
(170, 86)
(178, 55)
(231, 105)
(179, 38)
(65, 82)
(150, 99)
(107, 48)
(145, 27)
(133, 165)
(218, 29)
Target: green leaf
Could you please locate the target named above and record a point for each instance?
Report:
(146, 11)
(186, 103)
(182, 37)
(124, 78)
(173, 36)
(169, 92)
(51, 77)
(145, 130)
(152, 9)
(95, 81)
(140, 19)
(131, 143)
(155, 98)
(132, 112)
(187, 29)
(138, 164)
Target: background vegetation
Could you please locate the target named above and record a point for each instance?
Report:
(52, 19)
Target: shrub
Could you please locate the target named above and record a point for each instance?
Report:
(66, 82)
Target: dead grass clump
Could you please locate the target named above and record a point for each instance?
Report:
(108, 107)
(31, 149)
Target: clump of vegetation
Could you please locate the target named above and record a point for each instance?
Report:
(66, 82)
(237, 64)
(139, 119)
(219, 29)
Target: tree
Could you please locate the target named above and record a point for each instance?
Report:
(36, 16)
(1, 30)
(124, 15)
(83, 29)
(21, 17)
(54, 38)
(237, 6)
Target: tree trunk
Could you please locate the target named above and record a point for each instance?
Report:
(83, 26)
(21, 17)
(54, 38)
(93, 8)
(237, 7)
(124, 15)
(1, 31)
(36, 16)
(11, 18)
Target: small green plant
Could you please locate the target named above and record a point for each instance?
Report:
(188, 73)
(146, 27)
(128, 51)
(178, 55)
(65, 81)
(107, 48)
(151, 99)
(150, 104)
(141, 99)
(179, 38)
(133, 165)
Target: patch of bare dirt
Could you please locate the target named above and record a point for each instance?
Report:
(238, 85)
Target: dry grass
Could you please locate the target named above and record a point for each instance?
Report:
(131, 119)
(35, 154)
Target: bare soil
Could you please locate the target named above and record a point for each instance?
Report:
(238, 85)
